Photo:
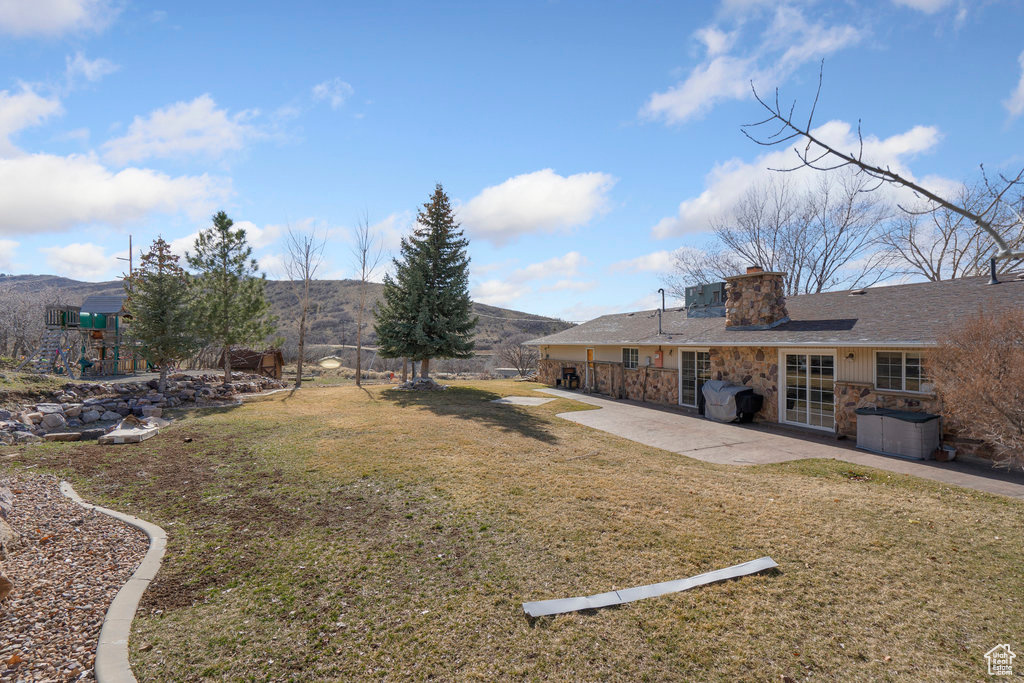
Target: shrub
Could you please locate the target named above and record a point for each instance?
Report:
(978, 371)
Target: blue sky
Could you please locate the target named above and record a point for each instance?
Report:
(582, 142)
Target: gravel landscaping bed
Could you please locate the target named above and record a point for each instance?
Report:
(66, 570)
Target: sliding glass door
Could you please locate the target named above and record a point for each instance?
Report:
(810, 387)
(694, 370)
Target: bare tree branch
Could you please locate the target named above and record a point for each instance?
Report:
(816, 151)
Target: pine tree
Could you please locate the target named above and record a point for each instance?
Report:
(426, 312)
(158, 302)
(228, 292)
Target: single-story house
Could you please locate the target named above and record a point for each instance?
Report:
(815, 358)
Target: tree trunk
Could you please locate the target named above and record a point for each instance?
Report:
(425, 368)
(405, 370)
(359, 326)
(359, 357)
(162, 385)
(227, 364)
(302, 342)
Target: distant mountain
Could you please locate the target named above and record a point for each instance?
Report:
(335, 307)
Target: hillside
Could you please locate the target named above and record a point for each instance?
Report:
(335, 305)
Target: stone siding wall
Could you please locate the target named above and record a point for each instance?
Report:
(753, 366)
(755, 300)
(550, 370)
(651, 384)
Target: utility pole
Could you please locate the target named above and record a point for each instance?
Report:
(130, 261)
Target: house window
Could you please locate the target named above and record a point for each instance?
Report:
(631, 358)
(901, 371)
(696, 369)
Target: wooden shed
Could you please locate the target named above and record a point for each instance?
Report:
(269, 363)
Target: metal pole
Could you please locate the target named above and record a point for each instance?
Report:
(992, 280)
(662, 290)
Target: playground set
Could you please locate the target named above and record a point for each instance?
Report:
(96, 330)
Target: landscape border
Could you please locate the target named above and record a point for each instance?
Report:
(112, 663)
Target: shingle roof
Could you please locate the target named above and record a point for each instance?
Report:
(916, 314)
(108, 304)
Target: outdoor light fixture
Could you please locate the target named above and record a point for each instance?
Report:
(849, 356)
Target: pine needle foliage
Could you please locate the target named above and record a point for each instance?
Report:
(158, 302)
(228, 291)
(426, 312)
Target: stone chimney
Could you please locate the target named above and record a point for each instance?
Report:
(755, 300)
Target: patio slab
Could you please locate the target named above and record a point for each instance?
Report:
(522, 401)
(736, 444)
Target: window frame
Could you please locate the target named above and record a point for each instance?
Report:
(634, 357)
(922, 378)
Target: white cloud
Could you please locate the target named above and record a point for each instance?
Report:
(258, 237)
(558, 266)
(47, 193)
(656, 262)
(183, 129)
(1015, 103)
(582, 312)
(335, 91)
(81, 261)
(542, 201)
(498, 292)
(79, 68)
(392, 229)
(184, 244)
(716, 41)
(54, 17)
(729, 181)
(560, 269)
(7, 249)
(22, 110)
(570, 286)
(273, 266)
(926, 6)
(789, 42)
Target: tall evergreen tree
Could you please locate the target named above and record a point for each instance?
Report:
(158, 302)
(426, 312)
(228, 291)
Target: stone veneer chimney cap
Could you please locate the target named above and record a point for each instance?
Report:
(757, 273)
(754, 269)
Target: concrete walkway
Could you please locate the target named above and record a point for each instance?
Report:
(734, 444)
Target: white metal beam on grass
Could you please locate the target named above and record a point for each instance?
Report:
(544, 608)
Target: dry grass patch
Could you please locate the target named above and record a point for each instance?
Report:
(369, 533)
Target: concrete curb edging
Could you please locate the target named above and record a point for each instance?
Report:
(112, 665)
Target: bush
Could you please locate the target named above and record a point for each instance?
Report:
(978, 371)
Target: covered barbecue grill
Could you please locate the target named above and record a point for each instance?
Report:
(726, 402)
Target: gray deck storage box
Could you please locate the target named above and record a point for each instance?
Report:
(898, 432)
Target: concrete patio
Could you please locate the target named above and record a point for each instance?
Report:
(735, 444)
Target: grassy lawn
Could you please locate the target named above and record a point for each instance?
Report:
(341, 533)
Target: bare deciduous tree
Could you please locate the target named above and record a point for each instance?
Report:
(823, 237)
(22, 317)
(940, 244)
(304, 254)
(368, 252)
(514, 353)
(978, 372)
(699, 266)
(996, 215)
